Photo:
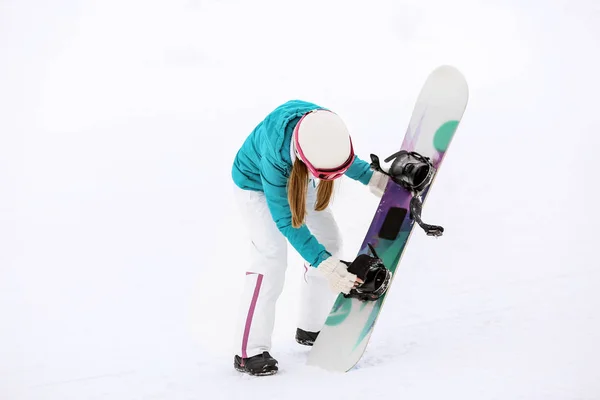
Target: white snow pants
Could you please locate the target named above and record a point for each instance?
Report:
(266, 273)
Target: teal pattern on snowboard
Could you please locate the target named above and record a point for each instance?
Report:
(437, 113)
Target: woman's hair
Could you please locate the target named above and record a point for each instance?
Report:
(297, 188)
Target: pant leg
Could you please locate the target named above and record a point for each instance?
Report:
(264, 279)
(315, 295)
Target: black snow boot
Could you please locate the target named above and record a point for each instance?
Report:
(258, 365)
(306, 338)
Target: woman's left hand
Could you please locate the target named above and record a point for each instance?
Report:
(377, 183)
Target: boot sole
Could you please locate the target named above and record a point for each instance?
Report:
(305, 342)
(265, 372)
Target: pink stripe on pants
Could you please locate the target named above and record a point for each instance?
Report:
(251, 313)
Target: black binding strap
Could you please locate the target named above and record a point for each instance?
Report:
(398, 175)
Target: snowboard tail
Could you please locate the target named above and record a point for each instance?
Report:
(435, 118)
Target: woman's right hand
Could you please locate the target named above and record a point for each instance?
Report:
(336, 272)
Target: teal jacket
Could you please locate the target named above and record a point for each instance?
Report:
(263, 163)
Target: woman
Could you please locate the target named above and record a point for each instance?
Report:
(276, 173)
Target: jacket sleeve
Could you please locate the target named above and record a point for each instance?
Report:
(360, 171)
(274, 181)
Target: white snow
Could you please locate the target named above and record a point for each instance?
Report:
(120, 257)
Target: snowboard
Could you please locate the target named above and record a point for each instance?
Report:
(436, 115)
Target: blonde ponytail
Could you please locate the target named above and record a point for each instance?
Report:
(297, 191)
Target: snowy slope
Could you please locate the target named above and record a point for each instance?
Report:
(118, 232)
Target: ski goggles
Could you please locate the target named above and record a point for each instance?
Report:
(327, 174)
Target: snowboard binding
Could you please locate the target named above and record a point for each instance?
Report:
(415, 173)
(376, 277)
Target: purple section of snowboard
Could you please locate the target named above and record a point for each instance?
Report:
(394, 196)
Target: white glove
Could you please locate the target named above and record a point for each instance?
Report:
(377, 183)
(336, 272)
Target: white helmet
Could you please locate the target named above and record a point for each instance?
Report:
(324, 144)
